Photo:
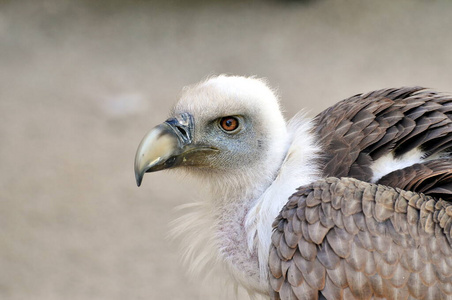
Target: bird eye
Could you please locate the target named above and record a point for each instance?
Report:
(229, 123)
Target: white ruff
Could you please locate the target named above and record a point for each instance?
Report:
(298, 168)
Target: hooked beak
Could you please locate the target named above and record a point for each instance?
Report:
(168, 145)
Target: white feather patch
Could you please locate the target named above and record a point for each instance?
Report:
(389, 163)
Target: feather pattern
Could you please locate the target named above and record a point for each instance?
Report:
(397, 127)
(413, 263)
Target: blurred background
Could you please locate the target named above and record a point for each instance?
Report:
(82, 81)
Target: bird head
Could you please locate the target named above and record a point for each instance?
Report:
(224, 125)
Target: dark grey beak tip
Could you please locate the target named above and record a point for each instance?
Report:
(139, 179)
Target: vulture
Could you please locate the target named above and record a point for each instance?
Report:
(352, 204)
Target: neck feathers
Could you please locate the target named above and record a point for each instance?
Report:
(298, 168)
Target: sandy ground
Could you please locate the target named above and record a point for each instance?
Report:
(81, 82)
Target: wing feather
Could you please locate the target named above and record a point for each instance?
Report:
(373, 255)
(358, 130)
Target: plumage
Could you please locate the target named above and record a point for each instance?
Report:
(353, 204)
(397, 264)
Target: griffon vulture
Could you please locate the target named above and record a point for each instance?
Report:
(350, 205)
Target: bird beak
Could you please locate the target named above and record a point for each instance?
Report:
(168, 145)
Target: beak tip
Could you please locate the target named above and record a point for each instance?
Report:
(139, 179)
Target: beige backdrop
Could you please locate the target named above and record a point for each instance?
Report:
(82, 81)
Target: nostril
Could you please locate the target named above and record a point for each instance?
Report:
(182, 130)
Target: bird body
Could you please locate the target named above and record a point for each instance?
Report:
(351, 166)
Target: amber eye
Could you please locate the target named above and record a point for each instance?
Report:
(229, 123)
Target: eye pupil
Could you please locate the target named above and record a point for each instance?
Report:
(229, 123)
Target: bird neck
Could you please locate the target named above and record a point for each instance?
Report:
(231, 211)
(245, 232)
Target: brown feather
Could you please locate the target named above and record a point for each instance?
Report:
(378, 123)
(368, 254)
